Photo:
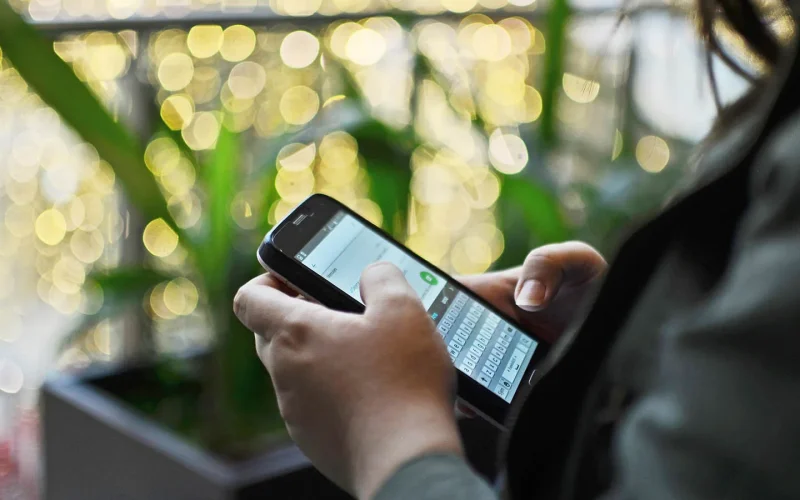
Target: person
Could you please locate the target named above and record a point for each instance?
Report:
(675, 372)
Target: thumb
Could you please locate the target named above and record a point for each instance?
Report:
(550, 267)
(383, 284)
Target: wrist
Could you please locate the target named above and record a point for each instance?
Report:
(385, 440)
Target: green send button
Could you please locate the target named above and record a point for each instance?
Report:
(428, 278)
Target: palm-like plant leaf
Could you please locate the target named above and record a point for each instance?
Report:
(36, 61)
(540, 208)
(221, 187)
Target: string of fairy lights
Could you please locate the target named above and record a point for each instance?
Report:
(59, 206)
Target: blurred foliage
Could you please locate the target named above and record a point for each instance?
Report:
(401, 166)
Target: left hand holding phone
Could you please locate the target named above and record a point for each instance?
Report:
(360, 394)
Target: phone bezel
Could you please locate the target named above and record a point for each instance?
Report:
(276, 254)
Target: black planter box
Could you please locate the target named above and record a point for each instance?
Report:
(96, 447)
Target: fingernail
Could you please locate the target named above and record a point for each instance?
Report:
(531, 295)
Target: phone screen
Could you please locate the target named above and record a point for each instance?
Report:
(480, 343)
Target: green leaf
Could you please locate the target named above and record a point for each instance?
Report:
(556, 39)
(221, 173)
(389, 188)
(388, 156)
(540, 209)
(34, 58)
(267, 183)
(121, 288)
(177, 139)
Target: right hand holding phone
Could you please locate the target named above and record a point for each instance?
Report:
(544, 293)
(360, 393)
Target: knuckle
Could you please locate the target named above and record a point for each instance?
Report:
(540, 260)
(240, 302)
(295, 333)
(541, 254)
(297, 322)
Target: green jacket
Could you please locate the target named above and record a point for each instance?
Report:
(683, 379)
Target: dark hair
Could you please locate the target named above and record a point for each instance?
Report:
(752, 26)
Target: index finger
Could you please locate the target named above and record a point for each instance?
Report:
(382, 285)
(270, 280)
(263, 307)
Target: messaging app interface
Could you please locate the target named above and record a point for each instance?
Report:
(480, 343)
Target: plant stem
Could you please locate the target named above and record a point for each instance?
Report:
(556, 38)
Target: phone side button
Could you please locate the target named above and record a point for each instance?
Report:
(530, 379)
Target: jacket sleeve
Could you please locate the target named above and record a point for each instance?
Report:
(436, 477)
(723, 419)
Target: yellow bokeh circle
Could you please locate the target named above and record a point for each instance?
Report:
(159, 239)
(51, 227)
(652, 153)
(299, 105)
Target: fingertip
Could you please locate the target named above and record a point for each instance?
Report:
(532, 295)
(380, 275)
(384, 282)
(380, 268)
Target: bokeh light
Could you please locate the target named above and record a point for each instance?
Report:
(459, 6)
(159, 239)
(107, 59)
(296, 186)
(296, 157)
(491, 43)
(508, 153)
(204, 41)
(299, 105)
(365, 47)
(652, 153)
(247, 80)
(11, 377)
(471, 255)
(175, 71)
(180, 296)
(177, 111)
(51, 227)
(238, 42)
(202, 133)
(299, 49)
(580, 89)
(296, 8)
(68, 275)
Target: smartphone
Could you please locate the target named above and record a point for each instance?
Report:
(320, 250)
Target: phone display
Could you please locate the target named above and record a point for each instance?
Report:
(481, 344)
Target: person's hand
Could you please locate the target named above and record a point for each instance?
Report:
(544, 293)
(360, 394)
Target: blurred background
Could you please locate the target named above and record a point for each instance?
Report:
(473, 130)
